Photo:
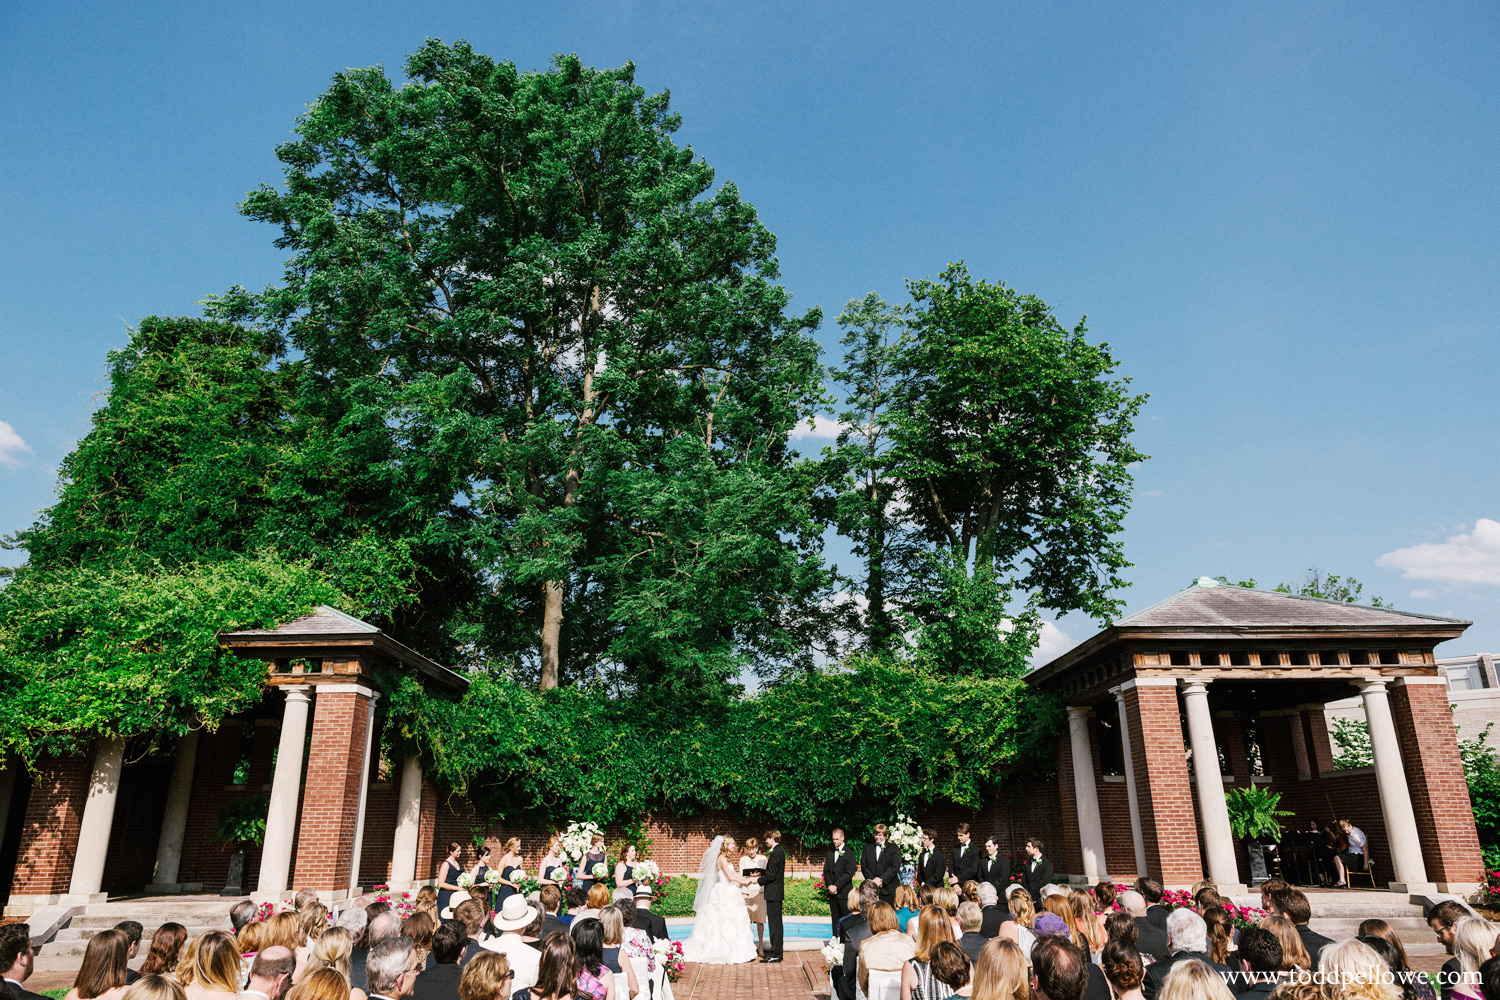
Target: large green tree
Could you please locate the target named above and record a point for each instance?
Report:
(543, 290)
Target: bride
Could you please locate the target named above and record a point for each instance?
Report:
(721, 924)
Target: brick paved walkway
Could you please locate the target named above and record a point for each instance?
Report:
(803, 976)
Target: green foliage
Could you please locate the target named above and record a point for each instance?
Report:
(801, 899)
(1328, 586)
(125, 652)
(242, 821)
(1351, 744)
(1253, 813)
(1483, 775)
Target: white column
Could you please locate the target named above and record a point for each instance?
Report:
(1086, 797)
(286, 791)
(1395, 803)
(364, 794)
(1138, 838)
(174, 817)
(408, 822)
(1213, 812)
(98, 818)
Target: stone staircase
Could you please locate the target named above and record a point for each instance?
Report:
(1338, 915)
(196, 913)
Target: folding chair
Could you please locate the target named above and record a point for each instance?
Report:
(1368, 873)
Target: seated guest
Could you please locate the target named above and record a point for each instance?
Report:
(133, 931)
(320, 984)
(388, 969)
(1194, 979)
(1268, 890)
(1187, 939)
(1355, 858)
(1259, 958)
(933, 926)
(1473, 943)
(1151, 891)
(1105, 897)
(631, 936)
(578, 898)
(486, 977)
(907, 905)
(155, 987)
(856, 929)
(970, 919)
(1002, 972)
(597, 900)
(334, 950)
(525, 962)
(420, 928)
(240, 914)
(1220, 933)
(886, 949)
(211, 967)
(102, 973)
(1293, 904)
(1443, 918)
(557, 976)
(549, 898)
(1413, 985)
(992, 914)
(1018, 902)
(439, 981)
(647, 921)
(950, 968)
(853, 914)
(1122, 967)
(1354, 969)
(1293, 953)
(271, 973)
(472, 915)
(595, 980)
(1059, 968)
(17, 959)
(304, 899)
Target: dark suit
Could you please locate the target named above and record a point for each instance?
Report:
(26, 994)
(1034, 875)
(856, 932)
(994, 916)
(931, 867)
(839, 873)
(1156, 972)
(887, 868)
(1097, 987)
(652, 923)
(1151, 939)
(964, 863)
(774, 884)
(1313, 942)
(1452, 969)
(995, 871)
(971, 942)
(551, 923)
(357, 969)
(1157, 915)
(438, 983)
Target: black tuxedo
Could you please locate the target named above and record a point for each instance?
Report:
(774, 884)
(24, 993)
(995, 871)
(1034, 875)
(931, 867)
(440, 982)
(855, 933)
(1156, 972)
(887, 868)
(994, 916)
(964, 862)
(652, 923)
(839, 874)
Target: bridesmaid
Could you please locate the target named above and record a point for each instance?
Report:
(595, 856)
(481, 866)
(625, 873)
(508, 887)
(447, 879)
(753, 866)
(553, 870)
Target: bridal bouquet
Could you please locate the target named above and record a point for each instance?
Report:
(906, 835)
(833, 952)
(577, 839)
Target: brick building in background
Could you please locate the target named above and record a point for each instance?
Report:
(1249, 671)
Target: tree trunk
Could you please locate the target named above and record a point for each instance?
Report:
(552, 615)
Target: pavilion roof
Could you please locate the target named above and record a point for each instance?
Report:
(1207, 604)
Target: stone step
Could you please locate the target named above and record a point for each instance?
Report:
(151, 921)
(167, 909)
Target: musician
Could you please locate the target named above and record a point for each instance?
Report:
(1351, 856)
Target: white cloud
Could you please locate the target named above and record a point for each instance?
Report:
(1153, 493)
(818, 427)
(1471, 558)
(1424, 595)
(11, 446)
(1053, 643)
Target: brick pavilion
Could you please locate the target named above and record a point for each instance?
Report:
(1240, 677)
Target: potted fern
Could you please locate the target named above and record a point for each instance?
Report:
(240, 823)
(1255, 819)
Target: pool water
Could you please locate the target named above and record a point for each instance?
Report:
(804, 930)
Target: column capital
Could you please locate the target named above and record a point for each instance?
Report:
(1371, 685)
(1079, 711)
(297, 692)
(1194, 687)
(347, 688)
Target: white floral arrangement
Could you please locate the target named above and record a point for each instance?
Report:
(833, 952)
(645, 871)
(464, 880)
(577, 839)
(492, 876)
(517, 874)
(599, 871)
(906, 835)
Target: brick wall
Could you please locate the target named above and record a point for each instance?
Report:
(53, 813)
(204, 858)
(1070, 858)
(330, 792)
(1435, 781)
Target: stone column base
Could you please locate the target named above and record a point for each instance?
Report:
(1415, 888)
(257, 897)
(1463, 889)
(174, 888)
(23, 906)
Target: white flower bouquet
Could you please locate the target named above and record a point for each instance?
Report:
(464, 880)
(833, 952)
(599, 871)
(577, 839)
(906, 835)
(647, 871)
(492, 876)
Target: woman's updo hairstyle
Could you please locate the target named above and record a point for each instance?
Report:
(1121, 965)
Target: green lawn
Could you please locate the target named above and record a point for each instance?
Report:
(801, 900)
(56, 994)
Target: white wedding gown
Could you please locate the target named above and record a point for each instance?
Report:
(721, 930)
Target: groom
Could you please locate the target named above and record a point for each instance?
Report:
(775, 891)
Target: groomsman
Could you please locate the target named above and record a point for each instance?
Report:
(931, 865)
(1037, 872)
(838, 876)
(994, 867)
(881, 863)
(965, 860)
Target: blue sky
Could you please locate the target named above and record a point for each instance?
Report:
(1283, 217)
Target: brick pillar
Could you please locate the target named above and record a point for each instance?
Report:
(1169, 825)
(427, 834)
(1435, 782)
(1070, 858)
(331, 796)
(1319, 744)
(54, 814)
